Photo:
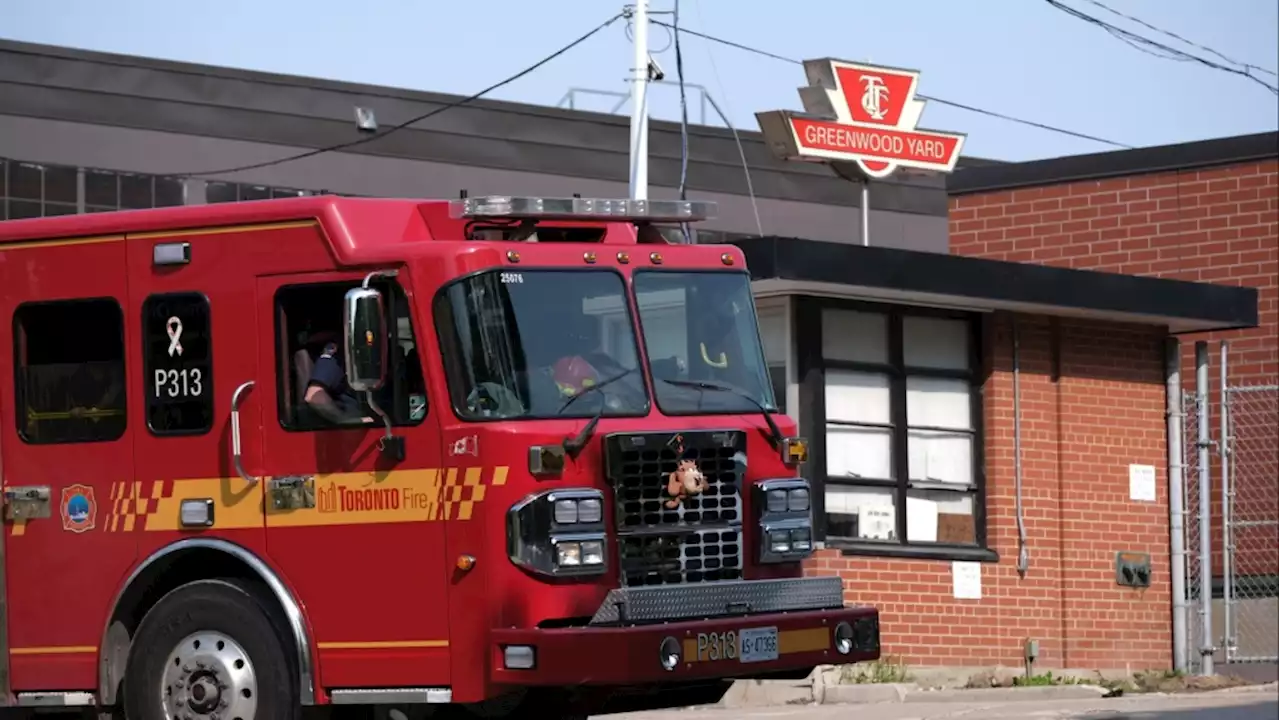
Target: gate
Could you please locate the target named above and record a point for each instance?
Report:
(1252, 517)
(1231, 519)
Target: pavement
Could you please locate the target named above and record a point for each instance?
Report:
(1247, 703)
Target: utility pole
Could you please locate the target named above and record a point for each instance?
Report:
(640, 101)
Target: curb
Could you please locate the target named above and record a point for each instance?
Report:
(777, 693)
(1013, 694)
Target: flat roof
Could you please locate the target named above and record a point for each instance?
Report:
(785, 266)
(1116, 163)
(59, 83)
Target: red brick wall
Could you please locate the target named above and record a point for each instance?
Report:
(1214, 225)
(1081, 429)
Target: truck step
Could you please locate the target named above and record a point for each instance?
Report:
(391, 696)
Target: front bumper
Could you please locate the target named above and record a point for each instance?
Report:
(708, 649)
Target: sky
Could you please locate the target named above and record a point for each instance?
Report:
(1022, 58)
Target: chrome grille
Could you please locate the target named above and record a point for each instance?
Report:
(698, 541)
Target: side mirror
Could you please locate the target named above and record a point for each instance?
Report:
(364, 326)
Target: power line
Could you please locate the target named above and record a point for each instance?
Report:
(430, 114)
(1175, 36)
(1136, 39)
(737, 139)
(940, 101)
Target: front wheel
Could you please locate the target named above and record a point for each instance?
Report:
(209, 649)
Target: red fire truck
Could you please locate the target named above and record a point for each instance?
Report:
(496, 452)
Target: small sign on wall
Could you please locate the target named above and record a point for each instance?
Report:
(966, 580)
(1142, 483)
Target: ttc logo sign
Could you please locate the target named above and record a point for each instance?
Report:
(861, 114)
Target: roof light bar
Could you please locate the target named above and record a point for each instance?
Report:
(536, 208)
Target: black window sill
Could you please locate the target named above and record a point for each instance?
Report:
(914, 552)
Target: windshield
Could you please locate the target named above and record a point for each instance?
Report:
(700, 330)
(539, 344)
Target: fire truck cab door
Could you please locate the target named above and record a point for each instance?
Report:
(353, 532)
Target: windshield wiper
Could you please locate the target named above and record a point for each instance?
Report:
(574, 445)
(775, 434)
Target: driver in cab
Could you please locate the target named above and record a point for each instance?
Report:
(328, 393)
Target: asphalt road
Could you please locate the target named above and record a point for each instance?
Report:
(1239, 705)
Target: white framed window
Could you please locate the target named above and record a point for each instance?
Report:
(901, 444)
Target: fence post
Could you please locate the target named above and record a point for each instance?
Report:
(1177, 498)
(1206, 547)
(1224, 452)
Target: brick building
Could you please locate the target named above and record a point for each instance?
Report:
(1205, 212)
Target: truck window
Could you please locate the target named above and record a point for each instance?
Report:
(701, 326)
(177, 364)
(69, 372)
(540, 344)
(310, 360)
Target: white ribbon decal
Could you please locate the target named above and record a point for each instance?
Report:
(174, 327)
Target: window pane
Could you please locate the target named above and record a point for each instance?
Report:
(855, 336)
(778, 379)
(941, 343)
(939, 403)
(861, 512)
(100, 189)
(313, 393)
(219, 192)
(773, 333)
(60, 184)
(26, 182)
(940, 516)
(857, 397)
(22, 209)
(940, 457)
(69, 385)
(135, 192)
(169, 192)
(859, 452)
(178, 376)
(255, 192)
(700, 327)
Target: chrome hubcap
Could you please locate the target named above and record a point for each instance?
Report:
(209, 677)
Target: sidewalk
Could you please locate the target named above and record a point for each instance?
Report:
(824, 688)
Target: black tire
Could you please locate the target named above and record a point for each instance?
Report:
(231, 609)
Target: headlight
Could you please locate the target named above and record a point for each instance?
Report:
(559, 532)
(783, 512)
(572, 511)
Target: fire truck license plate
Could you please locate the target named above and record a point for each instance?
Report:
(758, 644)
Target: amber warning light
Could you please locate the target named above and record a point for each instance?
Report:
(538, 208)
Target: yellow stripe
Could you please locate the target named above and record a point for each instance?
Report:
(222, 230)
(53, 242)
(54, 650)
(360, 498)
(390, 644)
(799, 641)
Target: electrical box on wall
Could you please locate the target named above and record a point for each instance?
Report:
(1133, 569)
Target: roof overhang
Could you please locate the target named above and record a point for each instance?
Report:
(792, 266)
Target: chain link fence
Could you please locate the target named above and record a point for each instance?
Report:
(1252, 518)
(1241, 482)
(1194, 526)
